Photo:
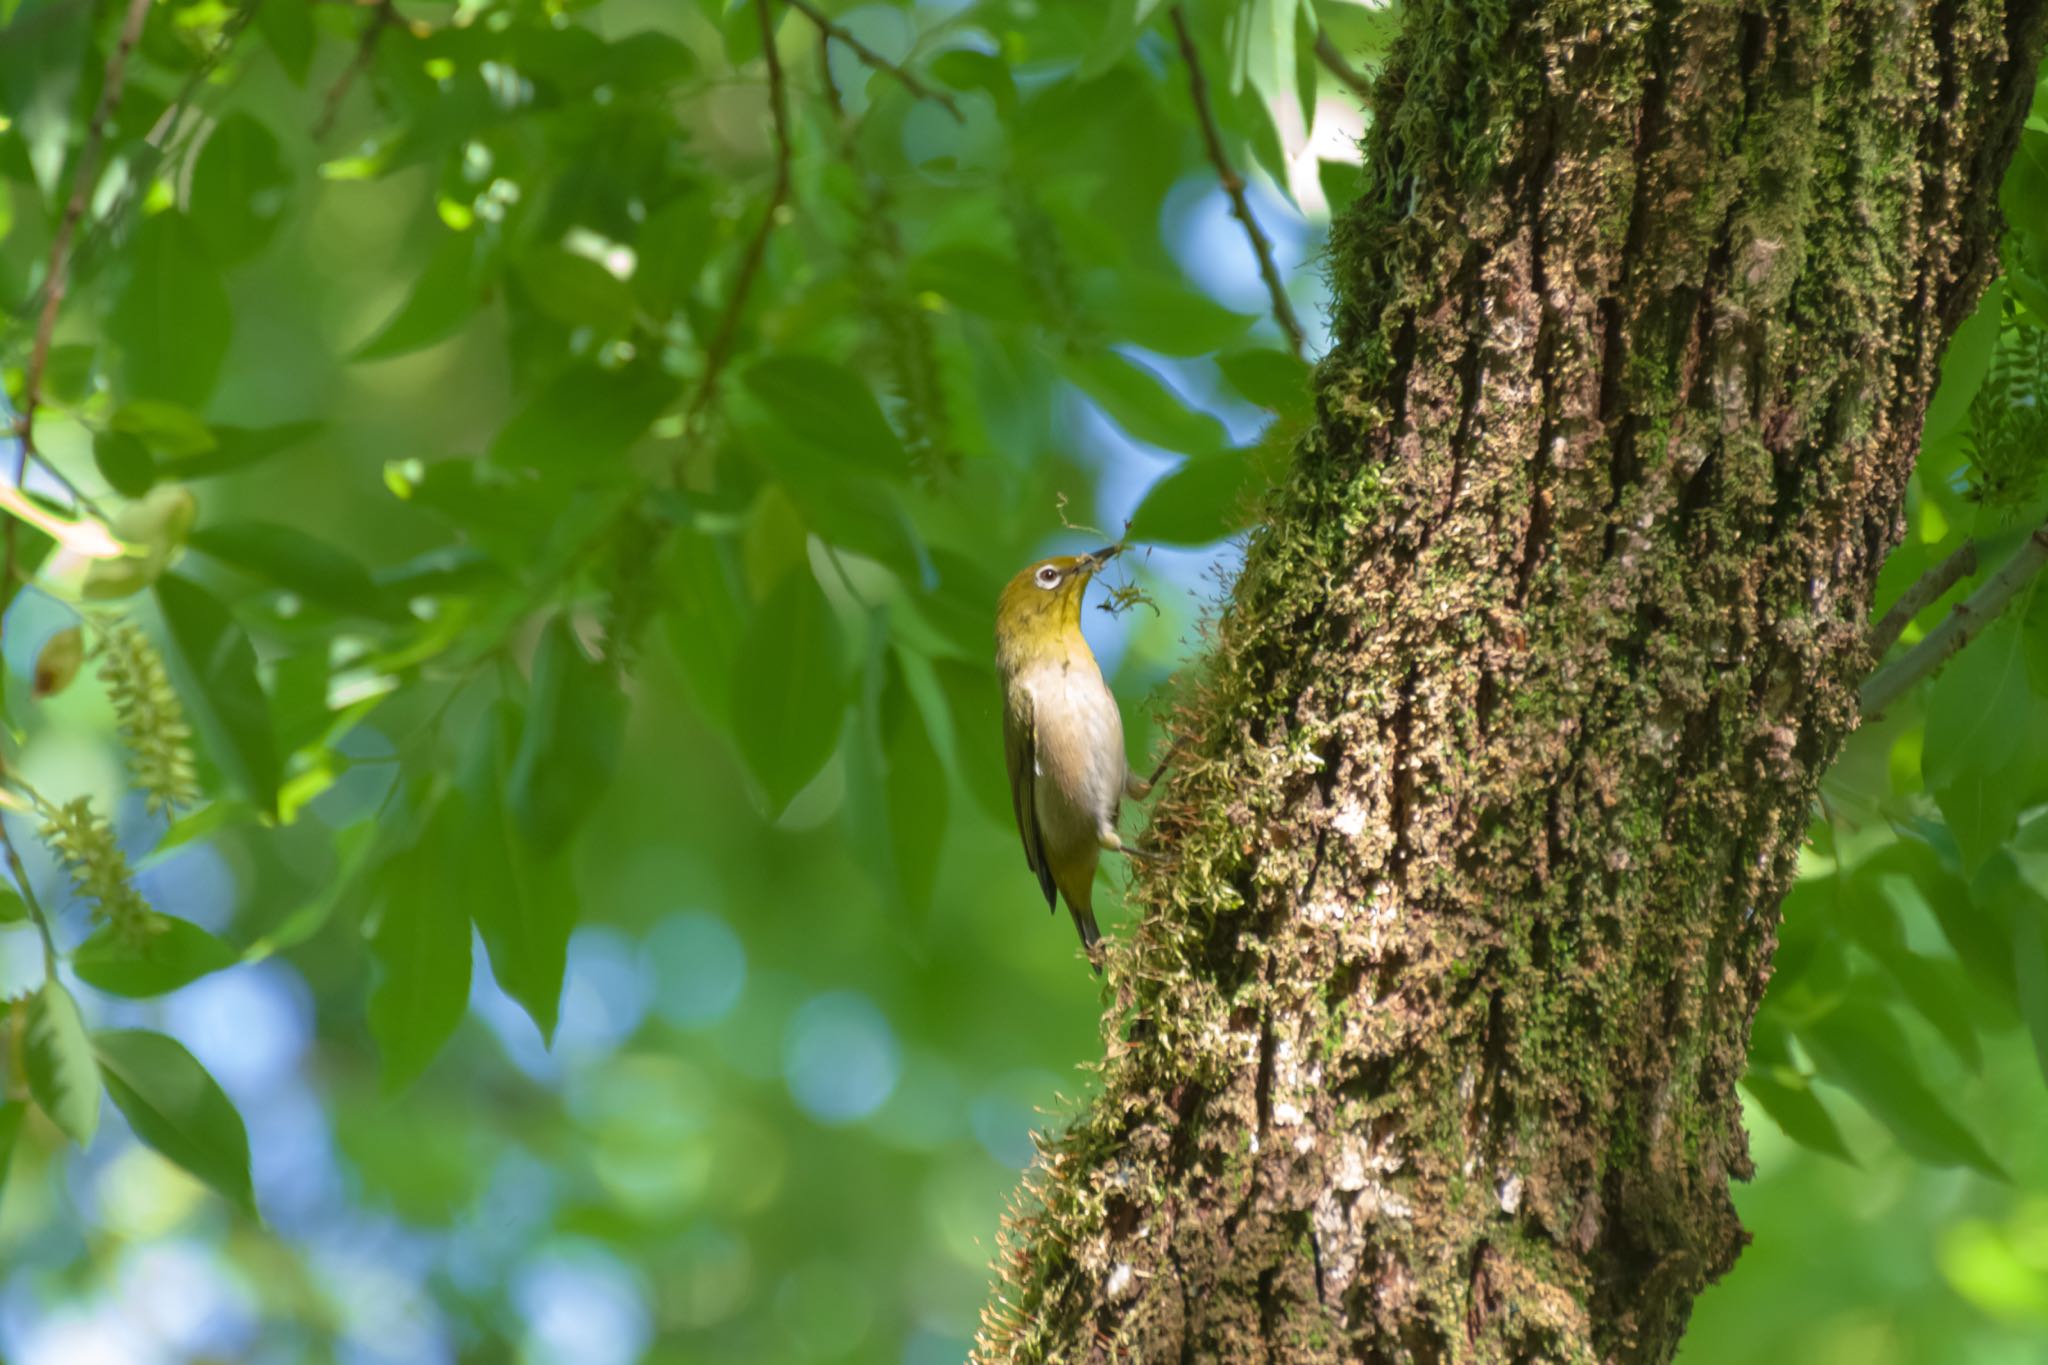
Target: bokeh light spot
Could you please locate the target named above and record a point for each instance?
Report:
(840, 1057)
(699, 966)
(582, 1306)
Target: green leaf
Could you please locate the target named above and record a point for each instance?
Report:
(13, 909)
(11, 1115)
(159, 957)
(420, 942)
(232, 448)
(67, 375)
(208, 820)
(974, 698)
(1205, 500)
(585, 420)
(575, 290)
(1275, 380)
(2023, 195)
(175, 1107)
(569, 747)
(1859, 1047)
(918, 795)
(789, 687)
(524, 906)
(1968, 913)
(359, 852)
(223, 696)
(977, 280)
(171, 319)
(1792, 1105)
(702, 619)
(1964, 365)
(169, 431)
(1979, 714)
(444, 297)
(1120, 24)
(672, 247)
(288, 31)
(240, 188)
(897, 789)
(648, 60)
(1307, 72)
(2030, 963)
(124, 462)
(741, 30)
(1163, 314)
(963, 68)
(285, 557)
(1936, 987)
(829, 406)
(58, 1058)
(1139, 401)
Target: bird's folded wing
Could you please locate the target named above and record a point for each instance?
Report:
(1020, 748)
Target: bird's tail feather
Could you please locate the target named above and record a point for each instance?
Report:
(1084, 921)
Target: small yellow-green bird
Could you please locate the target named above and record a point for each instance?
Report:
(1062, 734)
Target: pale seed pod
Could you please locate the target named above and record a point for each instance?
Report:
(149, 717)
(84, 843)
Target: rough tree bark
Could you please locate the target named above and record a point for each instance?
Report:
(1427, 1044)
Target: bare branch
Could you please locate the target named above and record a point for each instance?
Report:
(1917, 598)
(1354, 79)
(1962, 625)
(1233, 185)
(385, 15)
(720, 349)
(83, 179)
(874, 59)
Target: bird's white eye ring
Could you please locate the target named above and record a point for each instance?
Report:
(1048, 577)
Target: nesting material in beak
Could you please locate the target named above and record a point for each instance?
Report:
(1096, 559)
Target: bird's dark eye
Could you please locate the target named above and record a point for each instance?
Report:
(1048, 576)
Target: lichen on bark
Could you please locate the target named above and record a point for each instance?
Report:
(1426, 1046)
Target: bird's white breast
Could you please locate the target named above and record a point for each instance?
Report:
(1080, 749)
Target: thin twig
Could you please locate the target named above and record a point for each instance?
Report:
(28, 898)
(874, 59)
(1233, 185)
(385, 15)
(1330, 57)
(1963, 624)
(720, 350)
(83, 178)
(825, 76)
(1921, 595)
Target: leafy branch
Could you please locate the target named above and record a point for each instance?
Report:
(1233, 185)
(56, 281)
(873, 59)
(719, 352)
(171, 134)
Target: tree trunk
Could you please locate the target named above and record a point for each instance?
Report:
(1427, 1044)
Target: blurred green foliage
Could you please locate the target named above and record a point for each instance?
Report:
(567, 537)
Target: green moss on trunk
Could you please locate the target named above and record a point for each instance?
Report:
(1429, 1038)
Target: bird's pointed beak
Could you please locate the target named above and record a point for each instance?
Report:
(1098, 558)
